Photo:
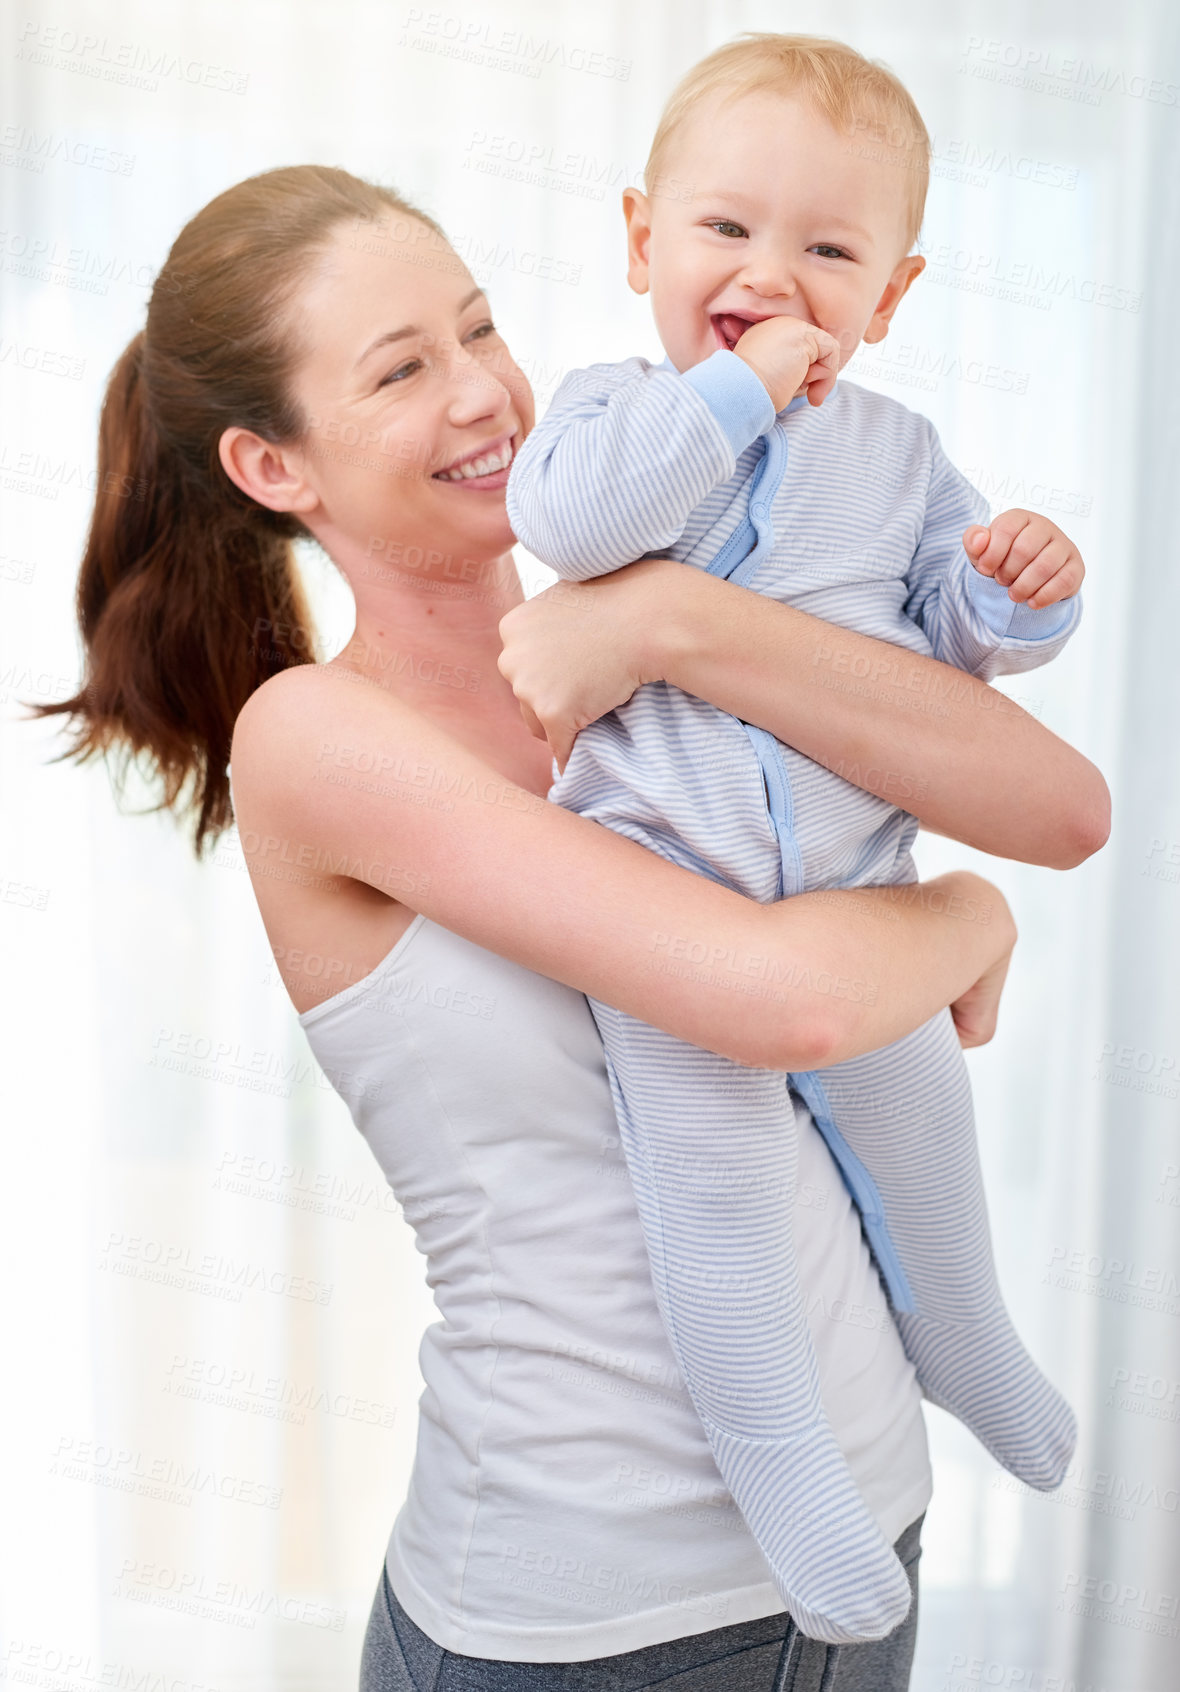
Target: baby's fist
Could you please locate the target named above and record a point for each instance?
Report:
(1029, 555)
(791, 356)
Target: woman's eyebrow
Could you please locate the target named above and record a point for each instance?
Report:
(412, 328)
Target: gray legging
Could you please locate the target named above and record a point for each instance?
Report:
(759, 1656)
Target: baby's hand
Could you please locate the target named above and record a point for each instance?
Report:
(789, 355)
(1031, 557)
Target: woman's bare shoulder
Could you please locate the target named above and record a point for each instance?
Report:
(303, 717)
(331, 769)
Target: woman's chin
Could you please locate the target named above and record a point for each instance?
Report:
(477, 536)
(490, 532)
(460, 526)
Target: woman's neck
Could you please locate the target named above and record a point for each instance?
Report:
(434, 643)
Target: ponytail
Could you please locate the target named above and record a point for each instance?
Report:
(188, 596)
(185, 606)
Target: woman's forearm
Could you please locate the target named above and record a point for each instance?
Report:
(789, 986)
(952, 751)
(892, 957)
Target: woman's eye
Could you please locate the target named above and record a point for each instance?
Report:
(482, 330)
(829, 252)
(402, 371)
(731, 231)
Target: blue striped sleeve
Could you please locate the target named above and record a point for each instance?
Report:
(967, 617)
(735, 396)
(622, 458)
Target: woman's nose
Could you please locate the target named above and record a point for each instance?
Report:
(476, 388)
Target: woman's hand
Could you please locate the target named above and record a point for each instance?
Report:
(795, 985)
(957, 931)
(979, 769)
(957, 754)
(578, 649)
(974, 1014)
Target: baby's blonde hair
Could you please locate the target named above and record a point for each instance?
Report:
(858, 96)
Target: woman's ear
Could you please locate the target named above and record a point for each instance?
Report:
(270, 475)
(637, 212)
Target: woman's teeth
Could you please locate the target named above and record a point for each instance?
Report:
(484, 466)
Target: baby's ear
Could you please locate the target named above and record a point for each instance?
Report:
(637, 214)
(907, 270)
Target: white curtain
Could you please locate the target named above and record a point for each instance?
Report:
(211, 1306)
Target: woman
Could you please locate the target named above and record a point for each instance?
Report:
(317, 359)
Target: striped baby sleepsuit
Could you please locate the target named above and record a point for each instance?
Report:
(849, 511)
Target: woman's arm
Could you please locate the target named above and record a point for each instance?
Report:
(339, 772)
(952, 751)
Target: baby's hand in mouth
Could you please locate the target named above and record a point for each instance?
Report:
(787, 354)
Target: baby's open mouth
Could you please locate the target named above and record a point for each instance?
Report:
(729, 328)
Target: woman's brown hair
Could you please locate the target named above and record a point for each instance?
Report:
(188, 596)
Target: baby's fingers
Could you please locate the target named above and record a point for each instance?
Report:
(827, 349)
(1063, 584)
(1038, 572)
(1000, 537)
(825, 366)
(818, 383)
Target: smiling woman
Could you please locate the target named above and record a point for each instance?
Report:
(170, 581)
(483, 466)
(381, 391)
(299, 317)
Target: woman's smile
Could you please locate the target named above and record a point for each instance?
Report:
(484, 467)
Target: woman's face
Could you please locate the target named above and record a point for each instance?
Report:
(405, 380)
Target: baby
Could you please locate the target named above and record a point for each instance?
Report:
(784, 245)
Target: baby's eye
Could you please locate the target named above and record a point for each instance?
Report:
(402, 371)
(731, 231)
(829, 252)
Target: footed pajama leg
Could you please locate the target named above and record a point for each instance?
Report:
(712, 1152)
(905, 1115)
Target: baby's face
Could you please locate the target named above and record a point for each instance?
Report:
(777, 214)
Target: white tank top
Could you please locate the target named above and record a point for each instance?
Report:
(563, 1502)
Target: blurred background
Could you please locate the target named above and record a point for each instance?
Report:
(212, 1303)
